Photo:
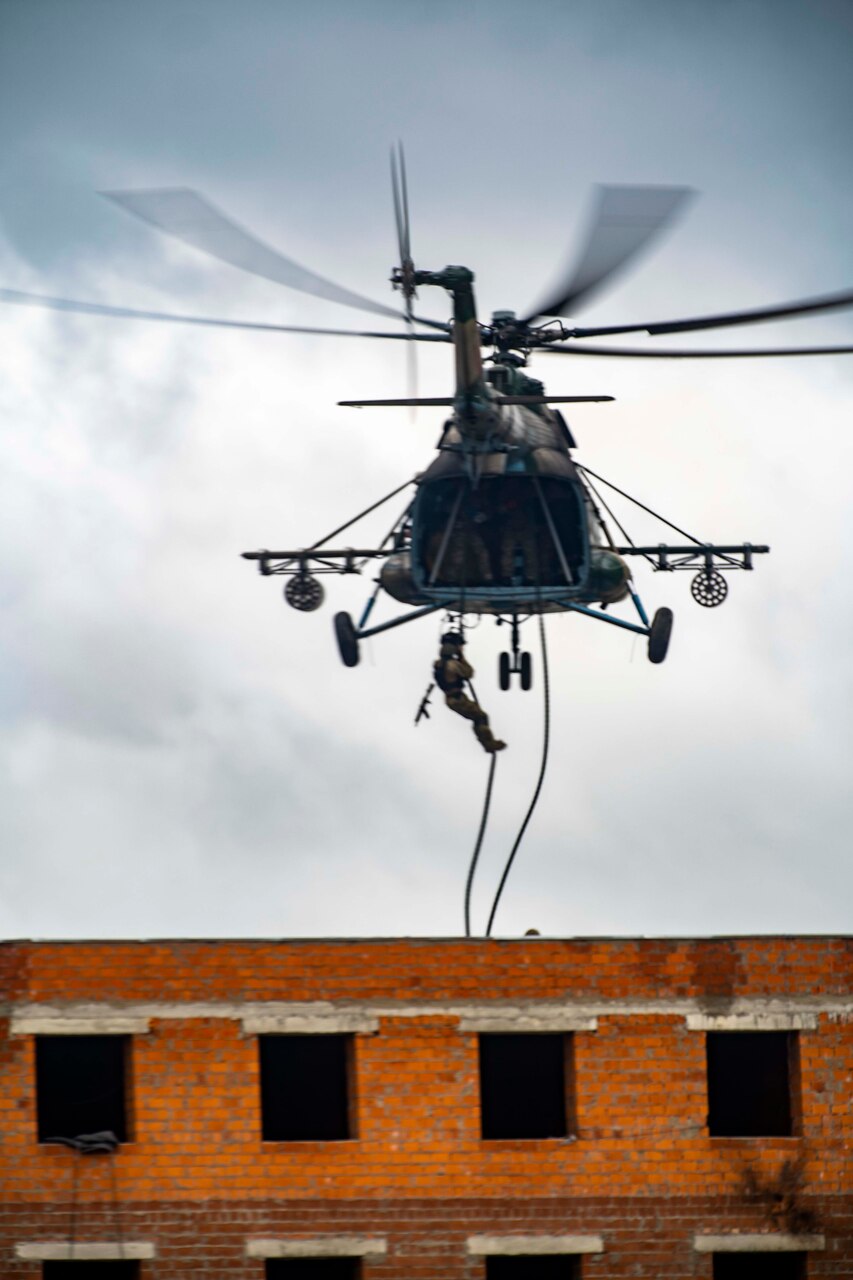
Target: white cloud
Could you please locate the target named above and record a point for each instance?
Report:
(181, 754)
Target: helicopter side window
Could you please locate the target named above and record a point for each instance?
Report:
(542, 536)
(597, 535)
(453, 551)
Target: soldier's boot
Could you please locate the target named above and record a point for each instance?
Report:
(487, 739)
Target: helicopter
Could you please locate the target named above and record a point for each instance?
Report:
(504, 521)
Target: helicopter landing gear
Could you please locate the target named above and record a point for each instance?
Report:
(347, 638)
(516, 663)
(659, 634)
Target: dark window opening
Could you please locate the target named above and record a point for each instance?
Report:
(108, 1270)
(557, 1266)
(81, 1086)
(500, 534)
(759, 1266)
(750, 1074)
(523, 1085)
(314, 1269)
(304, 1093)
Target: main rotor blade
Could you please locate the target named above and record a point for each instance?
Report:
(189, 217)
(129, 313)
(624, 220)
(641, 353)
(784, 311)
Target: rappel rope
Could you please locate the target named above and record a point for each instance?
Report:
(93, 1144)
(72, 1228)
(119, 1229)
(476, 854)
(540, 780)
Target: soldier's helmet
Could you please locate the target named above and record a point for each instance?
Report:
(453, 637)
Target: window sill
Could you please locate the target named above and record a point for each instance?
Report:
(60, 1146)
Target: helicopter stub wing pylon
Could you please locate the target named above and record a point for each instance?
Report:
(333, 560)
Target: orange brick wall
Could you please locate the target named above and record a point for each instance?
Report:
(642, 1171)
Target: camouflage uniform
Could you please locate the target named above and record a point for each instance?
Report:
(451, 673)
(465, 561)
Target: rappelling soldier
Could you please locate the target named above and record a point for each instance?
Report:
(452, 673)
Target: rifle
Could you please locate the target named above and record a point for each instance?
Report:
(422, 709)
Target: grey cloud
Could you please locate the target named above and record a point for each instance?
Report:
(182, 754)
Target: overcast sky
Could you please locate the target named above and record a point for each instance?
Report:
(182, 754)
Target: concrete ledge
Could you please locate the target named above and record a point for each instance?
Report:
(85, 1251)
(752, 1022)
(527, 1021)
(300, 1024)
(807, 1007)
(733, 1242)
(318, 1247)
(504, 1245)
(106, 1024)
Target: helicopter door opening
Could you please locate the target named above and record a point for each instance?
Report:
(511, 531)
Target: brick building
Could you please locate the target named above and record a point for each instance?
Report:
(535, 1109)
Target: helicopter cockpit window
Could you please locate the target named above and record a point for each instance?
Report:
(500, 534)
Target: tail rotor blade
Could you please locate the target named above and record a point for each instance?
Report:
(400, 191)
(412, 378)
(398, 206)
(404, 191)
(399, 187)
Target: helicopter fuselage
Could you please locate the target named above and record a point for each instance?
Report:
(502, 520)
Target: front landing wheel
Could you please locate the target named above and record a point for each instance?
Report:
(347, 638)
(659, 634)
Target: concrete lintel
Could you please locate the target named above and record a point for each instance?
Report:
(316, 1025)
(807, 1007)
(527, 1020)
(752, 1022)
(103, 1024)
(505, 1245)
(318, 1247)
(85, 1250)
(734, 1242)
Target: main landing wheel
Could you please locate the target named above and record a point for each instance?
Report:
(347, 638)
(526, 671)
(504, 671)
(659, 634)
